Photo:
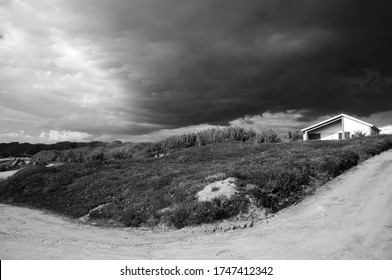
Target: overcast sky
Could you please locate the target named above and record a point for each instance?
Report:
(141, 70)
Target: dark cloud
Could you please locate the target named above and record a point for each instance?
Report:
(214, 61)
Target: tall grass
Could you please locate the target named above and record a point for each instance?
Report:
(139, 150)
(204, 137)
(294, 135)
(268, 136)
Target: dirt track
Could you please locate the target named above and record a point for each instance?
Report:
(350, 218)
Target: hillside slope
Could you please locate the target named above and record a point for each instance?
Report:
(349, 218)
(163, 191)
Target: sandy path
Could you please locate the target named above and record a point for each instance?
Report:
(350, 218)
(5, 174)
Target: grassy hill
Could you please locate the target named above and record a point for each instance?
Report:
(147, 191)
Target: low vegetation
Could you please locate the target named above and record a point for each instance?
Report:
(134, 188)
(16, 149)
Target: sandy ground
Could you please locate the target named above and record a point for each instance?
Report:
(349, 218)
(6, 174)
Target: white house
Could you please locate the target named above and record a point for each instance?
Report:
(339, 127)
(386, 129)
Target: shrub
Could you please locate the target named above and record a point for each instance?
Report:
(195, 213)
(97, 154)
(134, 215)
(358, 134)
(294, 135)
(268, 136)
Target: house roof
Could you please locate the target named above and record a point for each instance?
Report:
(333, 119)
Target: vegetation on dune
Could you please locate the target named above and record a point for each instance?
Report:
(141, 150)
(268, 136)
(205, 137)
(115, 150)
(294, 135)
(16, 149)
(143, 190)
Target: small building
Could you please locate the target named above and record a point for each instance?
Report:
(386, 129)
(337, 128)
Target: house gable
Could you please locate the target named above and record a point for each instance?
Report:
(329, 131)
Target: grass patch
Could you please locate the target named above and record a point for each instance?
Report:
(148, 191)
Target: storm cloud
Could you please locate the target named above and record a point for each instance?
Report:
(144, 65)
(194, 62)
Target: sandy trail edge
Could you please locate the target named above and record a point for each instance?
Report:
(349, 218)
(6, 174)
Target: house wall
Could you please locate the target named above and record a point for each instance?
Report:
(353, 126)
(374, 131)
(330, 131)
